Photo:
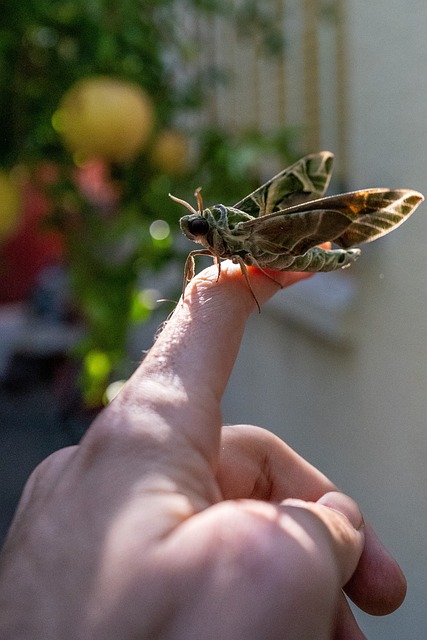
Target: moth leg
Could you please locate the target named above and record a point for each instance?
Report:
(254, 263)
(189, 268)
(239, 260)
(217, 261)
(190, 265)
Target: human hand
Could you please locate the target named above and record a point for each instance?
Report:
(160, 524)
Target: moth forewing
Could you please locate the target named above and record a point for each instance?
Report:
(392, 208)
(346, 219)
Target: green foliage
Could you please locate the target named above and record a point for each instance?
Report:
(45, 47)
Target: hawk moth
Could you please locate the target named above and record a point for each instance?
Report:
(279, 225)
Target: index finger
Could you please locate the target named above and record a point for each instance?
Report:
(183, 377)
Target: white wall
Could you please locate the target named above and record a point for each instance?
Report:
(357, 407)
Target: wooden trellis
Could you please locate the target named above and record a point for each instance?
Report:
(305, 87)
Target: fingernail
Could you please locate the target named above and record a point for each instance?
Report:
(344, 505)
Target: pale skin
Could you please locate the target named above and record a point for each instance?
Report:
(163, 525)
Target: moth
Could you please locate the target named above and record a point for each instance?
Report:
(280, 225)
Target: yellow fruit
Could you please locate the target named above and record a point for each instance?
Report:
(10, 205)
(170, 152)
(103, 117)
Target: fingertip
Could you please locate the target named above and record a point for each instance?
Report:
(232, 289)
(378, 586)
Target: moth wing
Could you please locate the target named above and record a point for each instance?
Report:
(304, 181)
(347, 219)
(375, 212)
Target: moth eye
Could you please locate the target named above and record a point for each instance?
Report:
(198, 226)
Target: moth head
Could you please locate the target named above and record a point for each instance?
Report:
(194, 226)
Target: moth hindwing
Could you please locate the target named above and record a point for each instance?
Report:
(280, 225)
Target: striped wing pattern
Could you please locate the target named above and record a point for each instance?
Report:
(346, 220)
(305, 180)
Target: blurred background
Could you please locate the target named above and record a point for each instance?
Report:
(107, 107)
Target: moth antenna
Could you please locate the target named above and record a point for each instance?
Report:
(198, 194)
(187, 205)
